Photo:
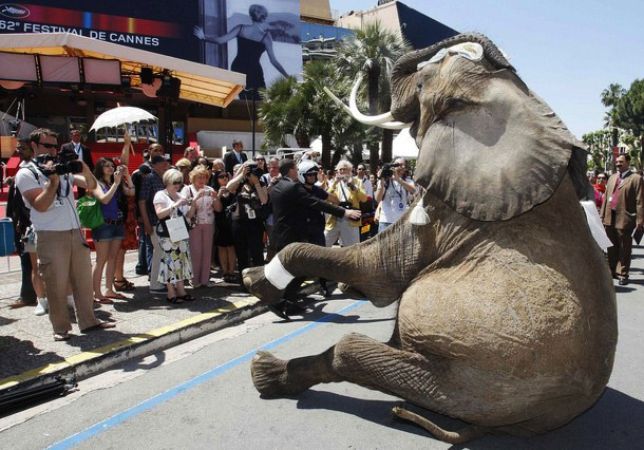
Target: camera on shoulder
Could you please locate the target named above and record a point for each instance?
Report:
(61, 164)
(387, 170)
(345, 205)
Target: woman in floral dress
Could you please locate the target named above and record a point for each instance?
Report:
(175, 262)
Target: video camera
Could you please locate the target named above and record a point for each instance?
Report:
(387, 170)
(64, 162)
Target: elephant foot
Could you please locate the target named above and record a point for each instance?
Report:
(257, 284)
(270, 376)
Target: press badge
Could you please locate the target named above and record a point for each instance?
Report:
(250, 212)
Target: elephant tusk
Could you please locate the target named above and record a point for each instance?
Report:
(355, 112)
(382, 121)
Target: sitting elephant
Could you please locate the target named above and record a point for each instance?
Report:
(507, 316)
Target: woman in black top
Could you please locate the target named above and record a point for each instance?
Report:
(247, 217)
(223, 232)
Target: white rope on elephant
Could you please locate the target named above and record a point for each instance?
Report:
(276, 274)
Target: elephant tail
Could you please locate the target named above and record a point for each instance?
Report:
(451, 437)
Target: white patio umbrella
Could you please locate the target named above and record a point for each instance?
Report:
(120, 116)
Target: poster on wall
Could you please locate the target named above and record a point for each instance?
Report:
(259, 39)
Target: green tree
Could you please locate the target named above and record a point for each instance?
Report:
(599, 145)
(304, 110)
(628, 113)
(373, 51)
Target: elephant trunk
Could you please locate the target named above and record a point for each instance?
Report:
(404, 105)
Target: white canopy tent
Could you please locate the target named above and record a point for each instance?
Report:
(199, 82)
(404, 146)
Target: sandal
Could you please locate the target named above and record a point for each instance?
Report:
(174, 300)
(123, 285)
(104, 301)
(187, 298)
(99, 326)
(62, 336)
(117, 296)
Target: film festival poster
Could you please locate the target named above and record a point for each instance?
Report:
(170, 30)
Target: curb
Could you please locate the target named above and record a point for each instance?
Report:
(95, 361)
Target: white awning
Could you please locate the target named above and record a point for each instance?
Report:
(199, 82)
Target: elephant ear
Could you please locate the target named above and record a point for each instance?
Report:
(496, 162)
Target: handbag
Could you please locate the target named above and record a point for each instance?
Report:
(177, 229)
(89, 212)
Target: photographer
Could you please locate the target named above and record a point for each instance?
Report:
(63, 254)
(247, 215)
(349, 191)
(393, 193)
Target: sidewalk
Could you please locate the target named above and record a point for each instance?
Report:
(30, 356)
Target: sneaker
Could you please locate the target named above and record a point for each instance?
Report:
(42, 307)
(196, 285)
(211, 284)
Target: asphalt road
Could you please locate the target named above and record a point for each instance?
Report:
(200, 395)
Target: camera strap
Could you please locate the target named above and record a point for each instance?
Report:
(344, 194)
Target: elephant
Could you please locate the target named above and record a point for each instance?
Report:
(506, 313)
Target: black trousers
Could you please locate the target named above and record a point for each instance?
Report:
(248, 237)
(27, 293)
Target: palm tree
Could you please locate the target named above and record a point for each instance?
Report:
(373, 52)
(302, 109)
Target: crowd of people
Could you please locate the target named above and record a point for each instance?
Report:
(183, 219)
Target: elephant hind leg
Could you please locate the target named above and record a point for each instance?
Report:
(451, 437)
(364, 361)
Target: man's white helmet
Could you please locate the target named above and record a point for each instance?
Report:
(306, 166)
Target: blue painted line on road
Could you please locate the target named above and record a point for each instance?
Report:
(153, 402)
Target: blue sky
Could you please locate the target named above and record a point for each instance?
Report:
(566, 51)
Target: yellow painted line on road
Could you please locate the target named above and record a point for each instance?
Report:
(74, 360)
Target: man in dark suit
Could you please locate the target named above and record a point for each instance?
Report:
(622, 212)
(77, 147)
(235, 156)
(289, 198)
(82, 151)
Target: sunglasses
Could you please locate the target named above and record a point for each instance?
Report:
(49, 145)
(177, 183)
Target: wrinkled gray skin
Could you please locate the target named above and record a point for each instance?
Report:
(507, 314)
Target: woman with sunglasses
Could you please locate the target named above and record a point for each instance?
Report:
(112, 183)
(175, 265)
(223, 232)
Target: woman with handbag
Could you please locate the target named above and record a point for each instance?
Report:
(202, 232)
(248, 216)
(223, 232)
(113, 182)
(174, 211)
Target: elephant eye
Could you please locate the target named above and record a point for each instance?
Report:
(454, 103)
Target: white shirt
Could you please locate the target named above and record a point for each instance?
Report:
(162, 198)
(395, 201)
(366, 185)
(61, 214)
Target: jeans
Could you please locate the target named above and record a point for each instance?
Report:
(27, 293)
(145, 253)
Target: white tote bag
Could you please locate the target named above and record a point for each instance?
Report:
(177, 229)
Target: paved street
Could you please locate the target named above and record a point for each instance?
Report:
(199, 395)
